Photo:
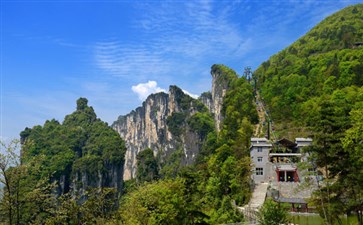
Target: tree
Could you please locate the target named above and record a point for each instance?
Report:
(99, 206)
(147, 168)
(351, 178)
(67, 211)
(10, 175)
(328, 154)
(161, 202)
(335, 120)
(202, 123)
(40, 202)
(272, 214)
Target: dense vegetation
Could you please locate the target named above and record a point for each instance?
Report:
(316, 84)
(337, 151)
(79, 156)
(271, 213)
(323, 60)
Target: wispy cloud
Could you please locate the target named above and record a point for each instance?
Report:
(180, 40)
(129, 60)
(194, 29)
(174, 36)
(279, 23)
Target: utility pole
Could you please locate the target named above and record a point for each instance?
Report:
(254, 78)
(248, 73)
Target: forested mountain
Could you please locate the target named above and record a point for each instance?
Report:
(81, 153)
(327, 59)
(63, 163)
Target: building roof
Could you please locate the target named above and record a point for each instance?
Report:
(259, 140)
(303, 139)
(287, 143)
(286, 167)
(292, 200)
(285, 154)
(261, 145)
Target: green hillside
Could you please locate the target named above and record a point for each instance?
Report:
(328, 58)
(314, 88)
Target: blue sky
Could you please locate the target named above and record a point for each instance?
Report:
(114, 53)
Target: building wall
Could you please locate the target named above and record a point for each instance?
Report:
(263, 144)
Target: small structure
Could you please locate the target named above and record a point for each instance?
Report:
(287, 173)
(259, 152)
(297, 204)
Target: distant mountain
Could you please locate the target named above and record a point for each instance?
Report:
(328, 58)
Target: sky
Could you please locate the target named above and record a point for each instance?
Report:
(115, 53)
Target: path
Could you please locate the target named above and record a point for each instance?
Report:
(258, 198)
(258, 195)
(261, 116)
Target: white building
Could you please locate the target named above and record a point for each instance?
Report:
(259, 151)
(278, 165)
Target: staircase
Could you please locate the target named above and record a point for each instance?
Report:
(250, 210)
(258, 196)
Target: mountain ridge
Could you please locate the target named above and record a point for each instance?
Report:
(323, 60)
(167, 122)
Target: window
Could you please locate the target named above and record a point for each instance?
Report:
(259, 149)
(259, 159)
(259, 171)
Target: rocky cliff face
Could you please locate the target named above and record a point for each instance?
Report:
(220, 85)
(147, 127)
(213, 100)
(206, 99)
(82, 181)
(161, 123)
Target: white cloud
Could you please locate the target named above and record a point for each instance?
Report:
(190, 94)
(145, 89)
